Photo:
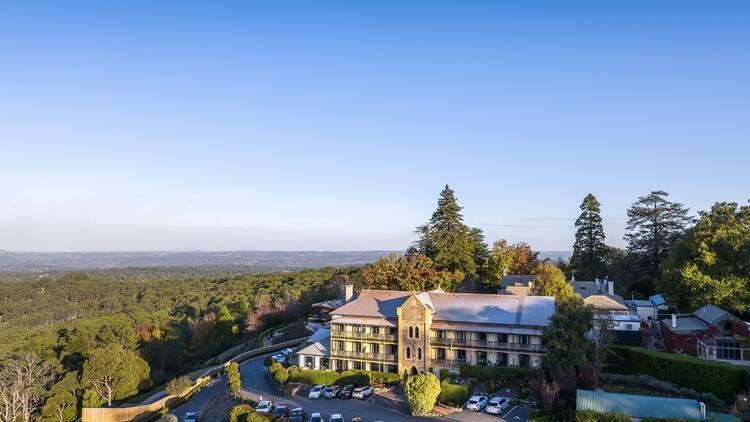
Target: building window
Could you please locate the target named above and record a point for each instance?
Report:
(523, 339)
(440, 353)
(628, 326)
(309, 361)
(461, 335)
(408, 352)
(375, 348)
(502, 338)
(411, 332)
(419, 353)
(440, 334)
(461, 355)
(481, 358)
(358, 366)
(394, 349)
(338, 327)
(416, 332)
(524, 360)
(357, 329)
(482, 337)
(392, 330)
(357, 347)
(376, 330)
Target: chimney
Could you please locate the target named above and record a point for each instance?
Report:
(674, 320)
(349, 292)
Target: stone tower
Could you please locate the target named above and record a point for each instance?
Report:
(414, 320)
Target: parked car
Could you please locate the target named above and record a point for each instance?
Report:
(345, 392)
(190, 417)
(297, 414)
(497, 405)
(315, 417)
(336, 417)
(288, 351)
(331, 391)
(278, 357)
(476, 403)
(457, 381)
(264, 407)
(316, 391)
(363, 393)
(281, 411)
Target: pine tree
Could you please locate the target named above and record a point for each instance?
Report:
(445, 238)
(589, 248)
(654, 223)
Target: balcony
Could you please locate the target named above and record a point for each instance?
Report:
(380, 357)
(459, 362)
(362, 336)
(490, 345)
(448, 362)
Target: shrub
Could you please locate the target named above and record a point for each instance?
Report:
(485, 373)
(281, 375)
(176, 386)
(275, 366)
(268, 362)
(444, 373)
(240, 413)
(421, 392)
(234, 381)
(168, 418)
(589, 416)
(719, 378)
(651, 383)
(452, 394)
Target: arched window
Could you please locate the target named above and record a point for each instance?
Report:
(408, 352)
(411, 332)
(419, 353)
(416, 332)
(414, 370)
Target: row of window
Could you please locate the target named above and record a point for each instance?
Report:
(408, 352)
(358, 347)
(413, 332)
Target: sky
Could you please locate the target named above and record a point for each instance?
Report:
(177, 125)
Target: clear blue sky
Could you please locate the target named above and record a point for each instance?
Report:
(333, 125)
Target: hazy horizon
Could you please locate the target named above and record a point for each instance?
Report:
(333, 126)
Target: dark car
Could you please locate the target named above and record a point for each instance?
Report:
(346, 392)
(331, 391)
(297, 414)
(281, 411)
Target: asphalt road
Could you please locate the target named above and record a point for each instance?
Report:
(255, 384)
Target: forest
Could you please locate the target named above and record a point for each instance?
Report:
(81, 324)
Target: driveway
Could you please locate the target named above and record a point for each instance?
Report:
(256, 385)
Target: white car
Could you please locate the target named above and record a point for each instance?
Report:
(190, 417)
(497, 405)
(278, 357)
(316, 392)
(476, 403)
(315, 417)
(264, 407)
(336, 417)
(362, 392)
(287, 351)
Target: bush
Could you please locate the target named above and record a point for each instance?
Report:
(313, 377)
(486, 373)
(651, 383)
(240, 413)
(421, 392)
(589, 416)
(444, 373)
(176, 386)
(168, 418)
(281, 375)
(268, 362)
(453, 395)
(719, 378)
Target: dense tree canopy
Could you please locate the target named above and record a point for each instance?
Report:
(414, 272)
(445, 239)
(565, 336)
(711, 263)
(589, 248)
(114, 373)
(551, 282)
(654, 223)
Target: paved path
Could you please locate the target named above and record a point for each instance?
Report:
(255, 384)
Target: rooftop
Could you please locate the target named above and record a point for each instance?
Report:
(517, 280)
(638, 406)
(456, 307)
(710, 313)
(686, 323)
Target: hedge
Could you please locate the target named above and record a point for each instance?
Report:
(719, 378)
(590, 416)
(315, 377)
(484, 373)
(453, 394)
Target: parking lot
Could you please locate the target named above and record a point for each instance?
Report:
(380, 407)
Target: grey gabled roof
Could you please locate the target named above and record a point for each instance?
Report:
(456, 307)
(316, 349)
(710, 313)
(517, 280)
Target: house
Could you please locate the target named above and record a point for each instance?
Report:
(607, 305)
(316, 353)
(648, 310)
(641, 407)
(413, 332)
(321, 311)
(710, 333)
(517, 284)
